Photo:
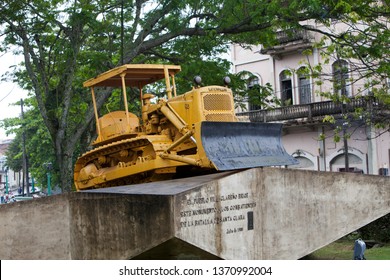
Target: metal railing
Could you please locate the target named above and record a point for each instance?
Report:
(285, 37)
(310, 111)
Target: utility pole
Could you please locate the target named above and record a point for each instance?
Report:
(122, 32)
(25, 157)
(122, 44)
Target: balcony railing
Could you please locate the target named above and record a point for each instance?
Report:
(296, 37)
(310, 112)
(284, 37)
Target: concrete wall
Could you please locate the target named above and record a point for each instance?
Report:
(35, 229)
(268, 213)
(114, 226)
(294, 213)
(84, 226)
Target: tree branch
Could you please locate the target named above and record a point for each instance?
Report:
(101, 98)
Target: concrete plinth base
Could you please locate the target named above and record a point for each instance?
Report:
(268, 213)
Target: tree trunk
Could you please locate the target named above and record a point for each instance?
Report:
(64, 158)
(66, 173)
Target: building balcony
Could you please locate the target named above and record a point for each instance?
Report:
(314, 112)
(289, 41)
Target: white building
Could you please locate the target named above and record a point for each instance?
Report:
(368, 148)
(13, 178)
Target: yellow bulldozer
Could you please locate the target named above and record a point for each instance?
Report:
(183, 135)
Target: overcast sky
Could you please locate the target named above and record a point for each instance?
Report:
(9, 92)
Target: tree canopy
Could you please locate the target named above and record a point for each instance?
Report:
(65, 43)
(363, 41)
(356, 37)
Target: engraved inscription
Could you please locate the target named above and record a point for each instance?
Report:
(230, 210)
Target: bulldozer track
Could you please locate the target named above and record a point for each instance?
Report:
(109, 149)
(115, 147)
(139, 178)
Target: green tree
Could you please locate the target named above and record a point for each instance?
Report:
(258, 96)
(14, 155)
(38, 145)
(361, 52)
(377, 230)
(64, 43)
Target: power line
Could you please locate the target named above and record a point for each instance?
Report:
(8, 94)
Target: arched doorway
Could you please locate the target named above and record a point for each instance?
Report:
(305, 160)
(356, 159)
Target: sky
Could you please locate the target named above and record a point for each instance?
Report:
(9, 92)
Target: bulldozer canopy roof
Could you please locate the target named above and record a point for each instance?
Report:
(136, 75)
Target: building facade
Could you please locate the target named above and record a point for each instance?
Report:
(7, 176)
(306, 136)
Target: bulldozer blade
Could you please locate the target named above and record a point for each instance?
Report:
(237, 145)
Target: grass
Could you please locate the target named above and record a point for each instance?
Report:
(343, 250)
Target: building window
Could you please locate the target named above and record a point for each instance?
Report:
(286, 93)
(340, 77)
(254, 94)
(253, 82)
(304, 87)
